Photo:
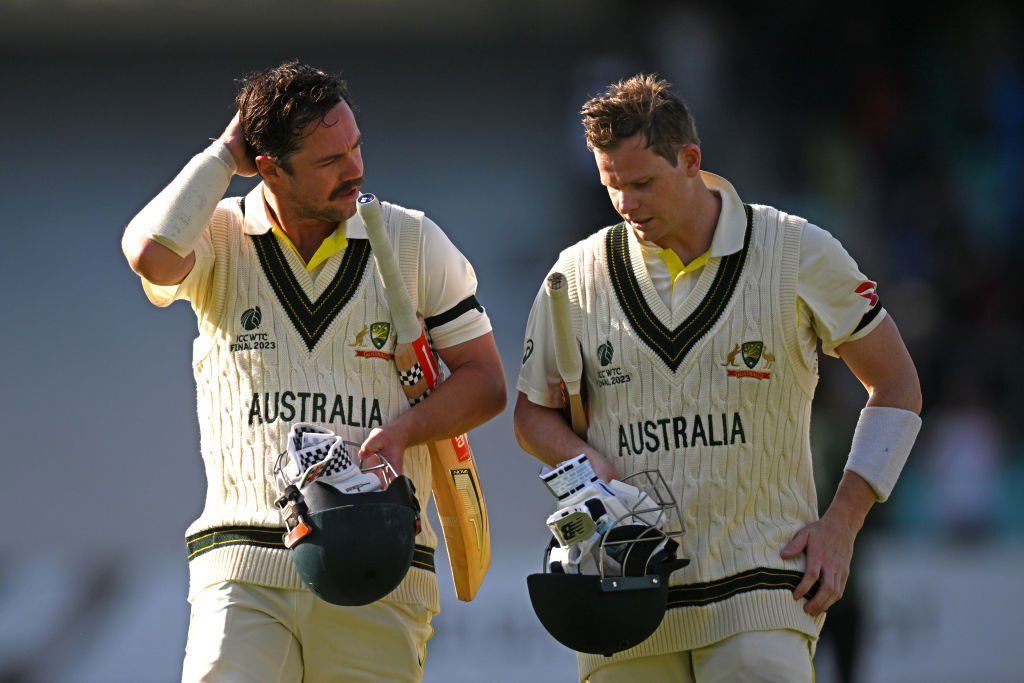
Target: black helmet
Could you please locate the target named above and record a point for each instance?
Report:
(348, 548)
(358, 546)
(624, 603)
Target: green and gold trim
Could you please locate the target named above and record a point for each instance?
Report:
(423, 557)
(761, 578)
(311, 319)
(671, 345)
(271, 537)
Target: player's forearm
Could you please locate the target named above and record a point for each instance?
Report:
(159, 241)
(544, 433)
(889, 423)
(472, 395)
(854, 498)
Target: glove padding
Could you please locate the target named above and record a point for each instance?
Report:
(599, 535)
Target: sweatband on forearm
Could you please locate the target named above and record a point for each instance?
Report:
(881, 443)
(177, 216)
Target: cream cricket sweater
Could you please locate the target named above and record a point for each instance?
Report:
(277, 345)
(717, 396)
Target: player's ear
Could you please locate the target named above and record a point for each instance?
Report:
(268, 169)
(689, 158)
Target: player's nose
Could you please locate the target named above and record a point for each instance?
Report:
(627, 203)
(352, 168)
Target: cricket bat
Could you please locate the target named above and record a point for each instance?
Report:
(457, 493)
(568, 358)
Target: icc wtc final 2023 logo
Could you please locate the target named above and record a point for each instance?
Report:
(253, 341)
(607, 376)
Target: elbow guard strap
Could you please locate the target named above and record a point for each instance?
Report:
(881, 443)
(182, 210)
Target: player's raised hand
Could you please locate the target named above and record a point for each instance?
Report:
(234, 140)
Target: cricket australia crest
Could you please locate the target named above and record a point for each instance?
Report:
(379, 333)
(753, 353)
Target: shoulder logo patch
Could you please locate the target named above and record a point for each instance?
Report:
(868, 290)
(527, 350)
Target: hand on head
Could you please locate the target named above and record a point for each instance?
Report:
(234, 140)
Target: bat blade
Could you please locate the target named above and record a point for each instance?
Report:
(568, 358)
(463, 513)
(457, 492)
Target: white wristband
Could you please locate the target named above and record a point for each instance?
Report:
(881, 443)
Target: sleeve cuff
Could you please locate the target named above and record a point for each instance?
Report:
(540, 397)
(880, 314)
(461, 330)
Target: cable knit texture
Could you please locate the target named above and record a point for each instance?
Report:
(728, 426)
(256, 375)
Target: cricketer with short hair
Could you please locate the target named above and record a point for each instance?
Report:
(294, 328)
(698, 317)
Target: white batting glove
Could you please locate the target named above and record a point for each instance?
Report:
(342, 473)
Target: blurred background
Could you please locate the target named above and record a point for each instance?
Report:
(898, 128)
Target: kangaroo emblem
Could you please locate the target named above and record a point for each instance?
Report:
(360, 335)
(730, 358)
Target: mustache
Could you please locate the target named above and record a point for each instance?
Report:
(353, 184)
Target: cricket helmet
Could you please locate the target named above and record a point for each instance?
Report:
(623, 600)
(350, 548)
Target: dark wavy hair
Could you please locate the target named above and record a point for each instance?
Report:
(642, 104)
(277, 104)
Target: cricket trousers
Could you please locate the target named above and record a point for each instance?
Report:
(243, 632)
(781, 656)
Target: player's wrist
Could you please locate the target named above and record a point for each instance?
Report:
(177, 217)
(853, 499)
(220, 150)
(400, 433)
(881, 444)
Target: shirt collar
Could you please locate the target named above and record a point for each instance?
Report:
(732, 220)
(257, 221)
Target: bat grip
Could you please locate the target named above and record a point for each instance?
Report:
(567, 351)
(407, 325)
